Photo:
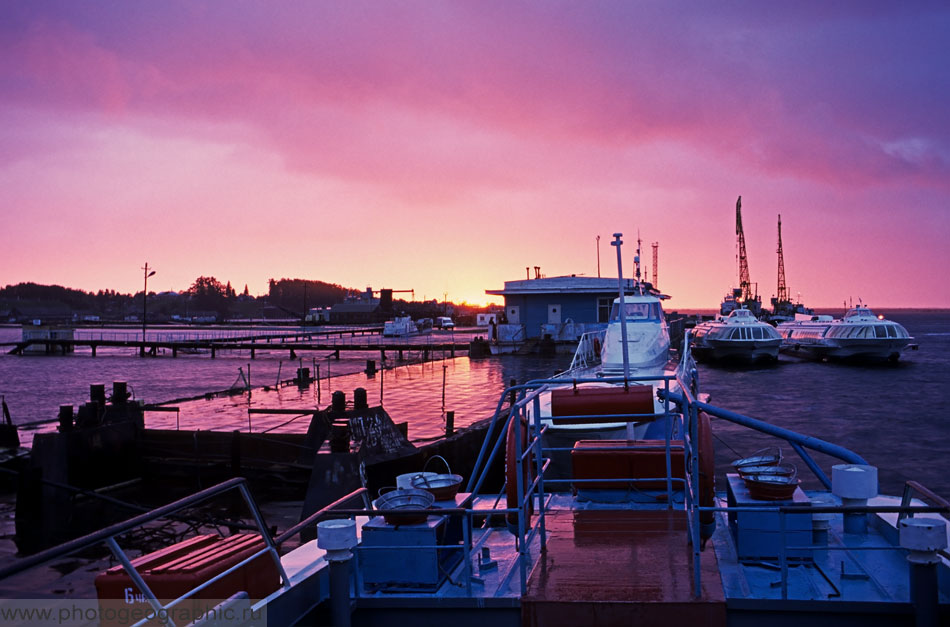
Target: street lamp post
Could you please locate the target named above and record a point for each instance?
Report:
(598, 256)
(145, 306)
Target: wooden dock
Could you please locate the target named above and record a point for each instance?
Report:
(252, 345)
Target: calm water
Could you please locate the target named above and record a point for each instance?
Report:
(896, 417)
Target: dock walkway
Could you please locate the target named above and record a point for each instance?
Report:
(619, 567)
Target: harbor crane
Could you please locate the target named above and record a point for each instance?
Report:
(781, 294)
(744, 294)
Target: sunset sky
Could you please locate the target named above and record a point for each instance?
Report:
(445, 146)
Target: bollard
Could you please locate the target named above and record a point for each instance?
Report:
(120, 393)
(97, 393)
(65, 418)
(338, 401)
(359, 399)
(449, 423)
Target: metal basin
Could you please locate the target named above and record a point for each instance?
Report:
(442, 487)
(771, 487)
(778, 470)
(390, 503)
(765, 457)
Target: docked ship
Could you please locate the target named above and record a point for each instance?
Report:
(860, 335)
(739, 337)
(400, 326)
(615, 371)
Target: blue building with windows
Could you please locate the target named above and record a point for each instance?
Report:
(563, 307)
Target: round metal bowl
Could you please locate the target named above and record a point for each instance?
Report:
(771, 487)
(390, 503)
(778, 470)
(765, 457)
(442, 487)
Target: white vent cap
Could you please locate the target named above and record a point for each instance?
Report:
(336, 535)
(923, 534)
(854, 481)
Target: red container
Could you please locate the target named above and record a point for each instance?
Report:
(173, 571)
(601, 400)
(640, 459)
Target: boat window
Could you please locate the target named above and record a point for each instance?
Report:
(880, 331)
(757, 333)
(637, 312)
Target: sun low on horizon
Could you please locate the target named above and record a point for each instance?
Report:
(447, 148)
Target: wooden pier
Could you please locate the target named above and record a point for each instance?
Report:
(251, 344)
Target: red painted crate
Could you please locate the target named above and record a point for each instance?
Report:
(173, 571)
(635, 459)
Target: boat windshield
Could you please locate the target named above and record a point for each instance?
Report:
(637, 312)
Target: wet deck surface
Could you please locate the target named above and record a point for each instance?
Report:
(620, 568)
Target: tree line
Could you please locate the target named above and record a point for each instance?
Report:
(206, 294)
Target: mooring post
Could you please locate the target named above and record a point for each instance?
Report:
(449, 423)
(444, 368)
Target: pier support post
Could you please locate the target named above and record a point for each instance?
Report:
(93, 350)
(400, 354)
(174, 351)
(252, 353)
(212, 352)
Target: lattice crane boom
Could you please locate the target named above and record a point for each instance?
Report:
(782, 291)
(745, 284)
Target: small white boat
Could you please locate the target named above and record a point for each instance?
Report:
(610, 390)
(400, 326)
(860, 335)
(738, 337)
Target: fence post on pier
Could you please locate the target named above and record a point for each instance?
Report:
(444, 368)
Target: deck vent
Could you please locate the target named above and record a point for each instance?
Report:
(854, 484)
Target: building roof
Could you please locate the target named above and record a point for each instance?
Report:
(562, 285)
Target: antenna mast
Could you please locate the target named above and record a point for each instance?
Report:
(656, 246)
(745, 284)
(782, 291)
